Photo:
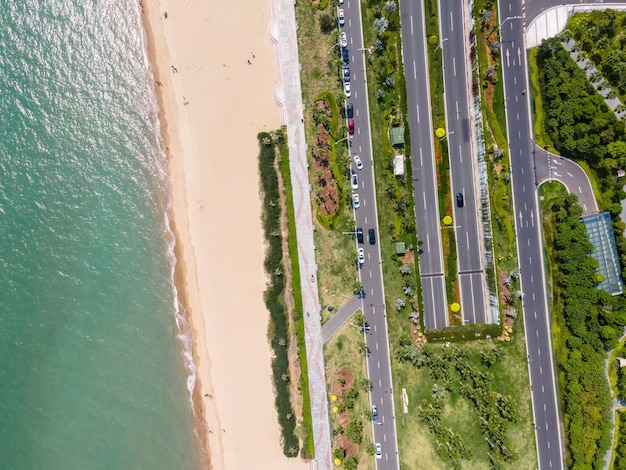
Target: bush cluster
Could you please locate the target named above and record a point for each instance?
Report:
(592, 321)
(274, 295)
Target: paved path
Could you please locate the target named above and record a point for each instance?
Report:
(601, 85)
(288, 94)
(341, 316)
(549, 166)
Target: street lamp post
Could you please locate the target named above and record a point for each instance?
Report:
(440, 44)
(333, 46)
(341, 140)
(502, 24)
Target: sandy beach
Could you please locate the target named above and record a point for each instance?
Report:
(215, 70)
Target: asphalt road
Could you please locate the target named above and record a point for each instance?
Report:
(378, 362)
(529, 239)
(463, 171)
(427, 217)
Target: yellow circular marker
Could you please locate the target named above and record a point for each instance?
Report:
(508, 338)
(440, 132)
(510, 329)
(447, 220)
(333, 398)
(335, 409)
(337, 462)
(420, 334)
(455, 307)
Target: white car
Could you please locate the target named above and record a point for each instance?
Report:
(342, 17)
(358, 162)
(361, 256)
(379, 451)
(355, 201)
(343, 40)
(340, 2)
(346, 89)
(355, 182)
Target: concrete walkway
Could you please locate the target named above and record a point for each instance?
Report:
(341, 316)
(288, 95)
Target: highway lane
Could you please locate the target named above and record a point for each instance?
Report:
(529, 239)
(463, 170)
(370, 273)
(427, 217)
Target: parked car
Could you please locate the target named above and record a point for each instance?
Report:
(342, 17)
(379, 451)
(355, 201)
(374, 413)
(361, 256)
(343, 39)
(459, 200)
(350, 110)
(345, 55)
(355, 182)
(358, 162)
(350, 126)
(346, 89)
(372, 235)
(359, 235)
(346, 74)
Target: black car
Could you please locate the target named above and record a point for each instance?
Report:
(372, 236)
(350, 110)
(346, 74)
(459, 199)
(345, 55)
(359, 235)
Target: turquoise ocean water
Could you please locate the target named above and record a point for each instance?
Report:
(94, 369)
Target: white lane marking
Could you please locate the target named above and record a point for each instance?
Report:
(454, 65)
(523, 188)
(467, 239)
(530, 260)
(460, 153)
(366, 219)
(531, 278)
(411, 18)
(379, 364)
(428, 243)
(529, 242)
(543, 390)
(537, 333)
(424, 194)
(421, 157)
(414, 71)
(457, 109)
(417, 110)
(539, 351)
(451, 22)
(535, 315)
(376, 346)
(541, 372)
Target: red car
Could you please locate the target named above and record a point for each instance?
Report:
(351, 126)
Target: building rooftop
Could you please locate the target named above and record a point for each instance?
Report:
(396, 135)
(600, 231)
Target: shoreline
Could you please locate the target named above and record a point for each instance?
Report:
(203, 448)
(214, 97)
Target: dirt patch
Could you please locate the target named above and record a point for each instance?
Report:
(326, 189)
(342, 381)
(348, 447)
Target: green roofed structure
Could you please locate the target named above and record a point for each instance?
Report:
(396, 135)
(400, 248)
(600, 231)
